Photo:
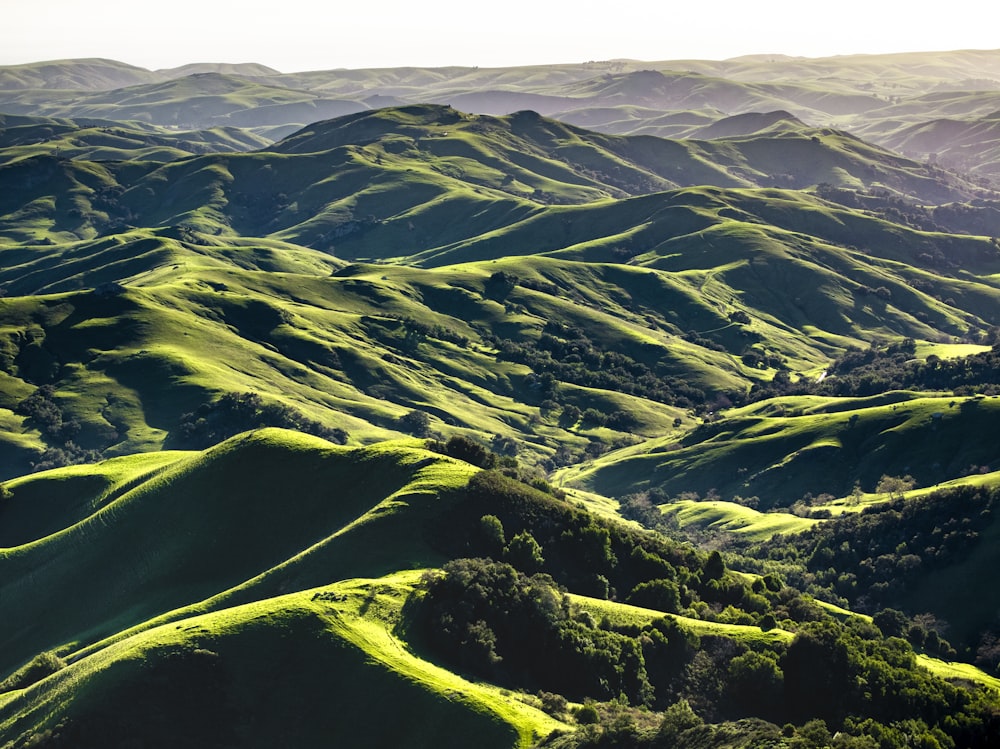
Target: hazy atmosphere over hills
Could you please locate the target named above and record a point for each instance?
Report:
(604, 404)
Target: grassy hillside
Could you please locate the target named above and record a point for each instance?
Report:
(285, 425)
(225, 274)
(109, 566)
(192, 641)
(269, 671)
(782, 449)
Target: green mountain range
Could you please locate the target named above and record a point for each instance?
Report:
(614, 404)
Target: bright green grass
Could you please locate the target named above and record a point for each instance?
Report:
(949, 350)
(391, 535)
(627, 615)
(277, 325)
(950, 670)
(46, 502)
(733, 518)
(594, 503)
(295, 654)
(259, 515)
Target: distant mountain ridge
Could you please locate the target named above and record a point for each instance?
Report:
(875, 96)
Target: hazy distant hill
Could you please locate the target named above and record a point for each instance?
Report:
(875, 96)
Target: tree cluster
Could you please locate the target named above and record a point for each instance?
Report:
(566, 354)
(234, 413)
(46, 415)
(491, 621)
(860, 373)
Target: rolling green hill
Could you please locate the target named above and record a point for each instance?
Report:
(875, 96)
(23, 137)
(235, 527)
(680, 292)
(269, 671)
(245, 622)
(781, 449)
(518, 432)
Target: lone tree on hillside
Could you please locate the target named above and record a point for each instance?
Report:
(895, 487)
(500, 284)
(417, 423)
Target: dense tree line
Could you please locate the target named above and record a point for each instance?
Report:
(487, 619)
(491, 620)
(566, 354)
(880, 369)
(504, 616)
(43, 412)
(234, 413)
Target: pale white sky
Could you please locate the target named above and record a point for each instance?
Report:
(305, 35)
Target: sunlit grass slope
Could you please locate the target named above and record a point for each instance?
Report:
(733, 518)
(138, 328)
(354, 348)
(265, 513)
(271, 672)
(781, 449)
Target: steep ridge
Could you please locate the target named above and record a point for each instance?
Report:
(233, 514)
(268, 672)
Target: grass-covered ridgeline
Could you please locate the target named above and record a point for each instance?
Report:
(312, 667)
(263, 510)
(236, 663)
(590, 325)
(323, 421)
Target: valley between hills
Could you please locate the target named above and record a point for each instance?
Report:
(608, 405)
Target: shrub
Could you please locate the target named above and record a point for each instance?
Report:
(524, 553)
(661, 594)
(492, 531)
(42, 665)
(416, 423)
(465, 449)
(587, 714)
